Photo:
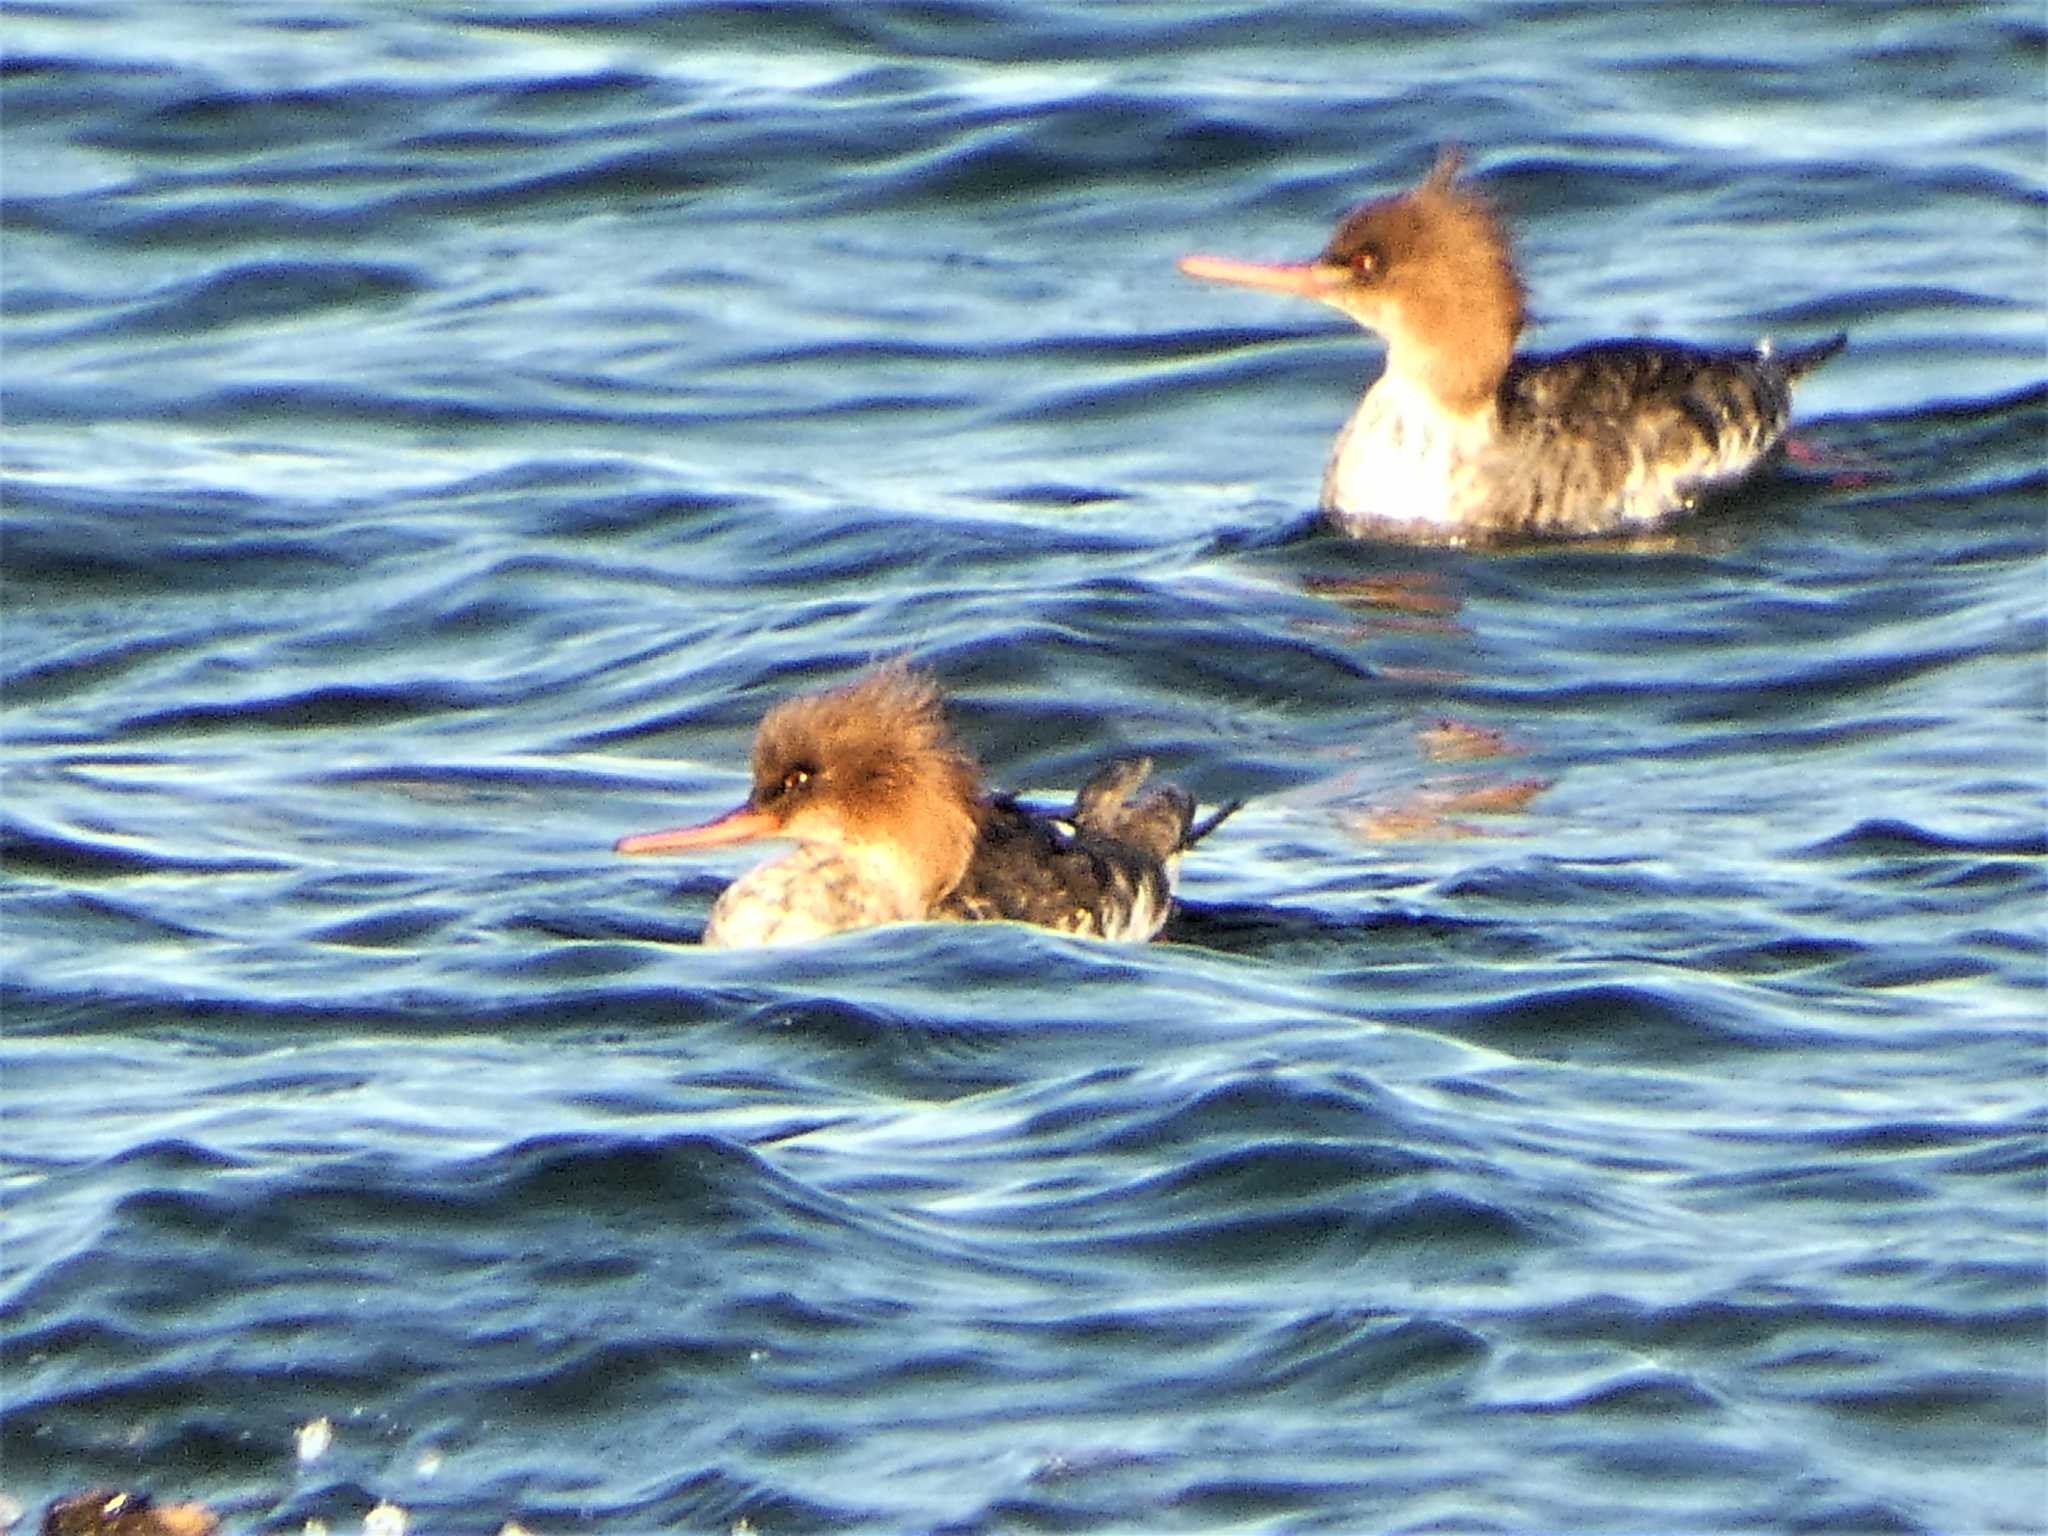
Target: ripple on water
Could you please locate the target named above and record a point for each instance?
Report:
(433, 444)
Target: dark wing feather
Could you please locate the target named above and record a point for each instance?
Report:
(1104, 870)
(1625, 432)
(1031, 868)
(1155, 824)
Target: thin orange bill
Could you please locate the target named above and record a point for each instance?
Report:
(1305, 279)
(735, 826)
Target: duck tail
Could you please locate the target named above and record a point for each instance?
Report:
(1215, 819)
(1801, 360)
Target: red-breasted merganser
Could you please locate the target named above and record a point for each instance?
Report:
(1461, 441)
(106, 1512)
(891, 825)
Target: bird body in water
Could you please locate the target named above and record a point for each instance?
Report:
(1461, 440)
(108, 1512)
(891, 825)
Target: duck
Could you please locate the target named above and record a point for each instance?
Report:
(892, 824)
(112, 1512)
(1463, 440)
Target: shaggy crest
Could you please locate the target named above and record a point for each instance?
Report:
(878, 751)
(1434, 262)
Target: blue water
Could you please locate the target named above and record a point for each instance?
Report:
(434, 435)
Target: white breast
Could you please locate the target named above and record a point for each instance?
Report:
(802, 896)
(1400, 459)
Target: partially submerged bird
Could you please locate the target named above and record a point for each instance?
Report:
(891, 825)
(1461, 441)
(108, 1512)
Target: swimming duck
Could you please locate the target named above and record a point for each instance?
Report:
(1461, 440)
(891, 824)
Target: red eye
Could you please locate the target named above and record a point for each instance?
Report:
(1365, 263)
(788, 784)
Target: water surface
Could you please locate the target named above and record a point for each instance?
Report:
(434, 437)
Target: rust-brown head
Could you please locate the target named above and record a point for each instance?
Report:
(1429, 270)
(869, 769)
